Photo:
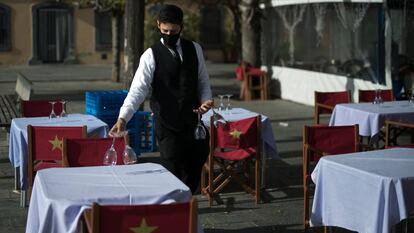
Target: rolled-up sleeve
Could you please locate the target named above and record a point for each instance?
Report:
(140, 86)
(204, 89)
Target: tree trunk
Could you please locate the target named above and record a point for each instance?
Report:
(134, 38)
(116, 45)
(250, 20)
(233, 6)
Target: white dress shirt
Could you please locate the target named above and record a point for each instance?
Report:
(141, 84)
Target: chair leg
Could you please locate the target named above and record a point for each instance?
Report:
(258, 179)
(210, 180)
(306, 207)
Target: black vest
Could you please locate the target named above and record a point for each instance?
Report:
(174, 86)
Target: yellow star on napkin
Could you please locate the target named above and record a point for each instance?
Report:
(56, 143)
(143, 228)
(235, 134)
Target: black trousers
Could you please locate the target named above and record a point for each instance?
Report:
(181, 154)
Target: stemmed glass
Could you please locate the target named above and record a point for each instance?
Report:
(411, 98)
(63, 113)
(52, 112)
(110, 157)
(221, 105)
(378, 98)
(200, 132)
(128, 156)
(228, 106)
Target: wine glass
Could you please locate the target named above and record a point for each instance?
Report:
(200, 132)
(217, 119)
(378, 98)
(411, 97)
(63, 113)
(110, 157)
(52, 112)
(128, 156)
(228, 106)
(221, 105)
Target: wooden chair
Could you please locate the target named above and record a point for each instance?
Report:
(320, 141)
(325, 102)
(79, 152)
(255, 80)
(161, 218)
(45, 147)
(394, 129)
(234, 146)
(39, 108)
(369, 95)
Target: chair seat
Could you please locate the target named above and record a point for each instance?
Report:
(44, 165)
(235, 155)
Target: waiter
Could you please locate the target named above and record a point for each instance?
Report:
(175, 71)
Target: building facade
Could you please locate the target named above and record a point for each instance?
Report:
(43, 32)
(60, 32)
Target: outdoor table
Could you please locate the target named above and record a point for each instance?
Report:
(371, 117)
(269, 144)
(18, 153)
(60, 195)
(366, 192)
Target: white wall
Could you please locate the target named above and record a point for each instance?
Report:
(299, 85)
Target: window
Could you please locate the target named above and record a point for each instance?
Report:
(103, 31)
(211, 27)
(4, 28)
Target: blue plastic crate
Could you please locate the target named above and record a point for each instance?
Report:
(104, 102)
(146, 123)
(134, 141)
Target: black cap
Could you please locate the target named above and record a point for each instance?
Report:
(170, 14)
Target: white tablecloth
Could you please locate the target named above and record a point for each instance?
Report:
(371, 117)
(18, 136)
(365, 192)
(240, 113)
(61, 194)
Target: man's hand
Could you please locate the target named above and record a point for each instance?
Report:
(118, 127)
(204, 107)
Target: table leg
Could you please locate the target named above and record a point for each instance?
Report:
(16, 180)
(23, 199)
(263, 183)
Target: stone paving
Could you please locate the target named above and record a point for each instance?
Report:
(282, 206)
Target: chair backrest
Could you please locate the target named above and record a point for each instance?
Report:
(326, 101)
(330, 140)
(332, 99)
(39, 108)
(79, 152)
(241, 134)
(161, 218)
(369, 95)
(45, 142)
(45, 147)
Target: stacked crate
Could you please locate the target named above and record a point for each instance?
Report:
(105, 105)
(147, 132)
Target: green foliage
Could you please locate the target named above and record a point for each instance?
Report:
(103, 5)
(191, 27)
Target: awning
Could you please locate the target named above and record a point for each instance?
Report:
(275, 3)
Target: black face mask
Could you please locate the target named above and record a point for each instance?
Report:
(170, 40)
